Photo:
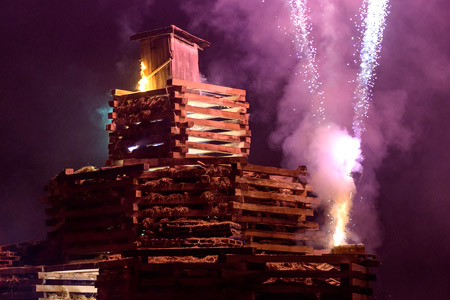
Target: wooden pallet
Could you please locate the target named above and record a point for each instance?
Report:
(238, 275)
(117, 208)
(186, 119)
(69, 281)
(19, 283)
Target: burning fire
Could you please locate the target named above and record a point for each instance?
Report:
(346, 152)
(144, 83)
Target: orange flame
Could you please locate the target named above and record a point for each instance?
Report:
(341, 212)
(144, 83)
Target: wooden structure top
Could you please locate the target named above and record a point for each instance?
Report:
(172, 29)
(168, 53)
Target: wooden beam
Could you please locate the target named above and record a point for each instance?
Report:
(280, 235)
(217, 136)
(270, 183)
(66, 288)
(275, 222)
(215, 148)
(282, 248)
(217, 124)
(272, 209)
(217, 113)
(277, 196)
(225, 101)
(268, 170)
(205, 87)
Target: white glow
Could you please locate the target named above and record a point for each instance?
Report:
(132, 148)
(374, 21)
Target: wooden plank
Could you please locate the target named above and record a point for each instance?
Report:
(173, 266)
(331, 259)
(21, 295)
(80, 250)
(79, 275)
(100, 211)
(163, 162)
(217, 136)
(179, 187)
(66, 288)
(119, 92)
(281, 248)
(277, 196)
(217, 113)
(127, 182)
(20, 270)
(206, 87)
(279, 235)
(272, 209)
(275, 221)
(96, 236)
(157, 92)
(188, 251)
(216, 148)
(107, 172)
(269, 170)
(225, 101)
(270, 183)
(217, 124)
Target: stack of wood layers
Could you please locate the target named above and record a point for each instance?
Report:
(239, 276)
(186, 119)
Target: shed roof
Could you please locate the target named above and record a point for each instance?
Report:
(168, 30)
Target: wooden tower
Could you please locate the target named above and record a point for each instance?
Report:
(179, 212)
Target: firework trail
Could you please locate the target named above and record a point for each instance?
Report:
(306, 50)
(336, 152)
(373, 14)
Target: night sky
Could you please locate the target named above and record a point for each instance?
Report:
(59, 60)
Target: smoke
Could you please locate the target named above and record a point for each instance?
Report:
(266, 63)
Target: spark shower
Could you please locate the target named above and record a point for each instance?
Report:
(337, 152)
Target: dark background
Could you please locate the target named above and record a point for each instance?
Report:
(59, 59)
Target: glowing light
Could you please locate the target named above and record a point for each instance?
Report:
(341, 212)
(347, 151)
(373, 14)
(346, 155)
(306, 51)
(132, 148)
(144, 82)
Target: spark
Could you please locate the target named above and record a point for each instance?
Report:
(373, 16)
(307, 51)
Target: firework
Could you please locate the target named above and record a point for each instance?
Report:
(307, 52)
(373, 14)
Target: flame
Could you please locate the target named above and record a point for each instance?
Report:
(341, 212)
(144, 83)
(346, 153)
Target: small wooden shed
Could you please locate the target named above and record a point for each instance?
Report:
(169, 53)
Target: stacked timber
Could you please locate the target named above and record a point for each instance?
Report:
(88, 210)
(186, 119)
(8, 258)
(239, 275)
(196, 202)
(29, 253)
(69, 281)
(20, 283)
